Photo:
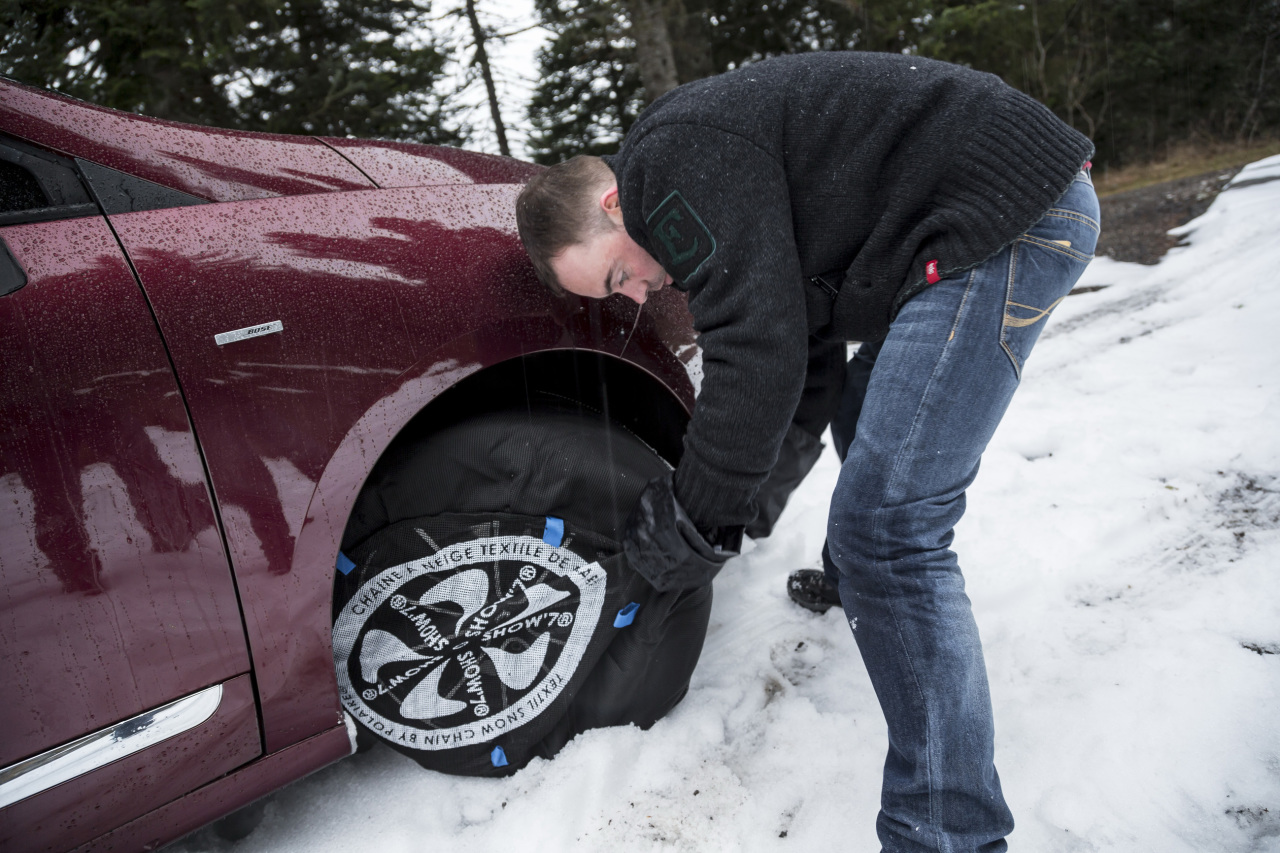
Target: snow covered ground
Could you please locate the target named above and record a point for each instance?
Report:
(1122, 549)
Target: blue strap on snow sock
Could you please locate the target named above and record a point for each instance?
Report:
(626, 615)
(553, 533)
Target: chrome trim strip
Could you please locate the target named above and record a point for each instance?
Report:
(41, 772)
(223, 338)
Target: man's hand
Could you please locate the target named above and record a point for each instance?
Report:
(663, 545)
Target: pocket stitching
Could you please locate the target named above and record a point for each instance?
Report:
(1079, 217)
(1054, 247)
(1011, 322)
(1008, 297)
(968, 286)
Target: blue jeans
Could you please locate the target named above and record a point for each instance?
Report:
(931, 395)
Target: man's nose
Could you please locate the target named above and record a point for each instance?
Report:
(635, 290)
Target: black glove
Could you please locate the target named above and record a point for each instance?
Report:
(663, 545)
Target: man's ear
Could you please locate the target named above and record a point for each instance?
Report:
(610, 205)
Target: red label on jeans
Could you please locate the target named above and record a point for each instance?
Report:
(931, 272)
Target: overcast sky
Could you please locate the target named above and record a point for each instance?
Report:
(515, 70)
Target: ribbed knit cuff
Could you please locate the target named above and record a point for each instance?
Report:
(1018, 163)
(713, 497)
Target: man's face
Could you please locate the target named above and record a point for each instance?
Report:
(609, 262)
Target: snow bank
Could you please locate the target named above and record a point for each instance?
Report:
(1122, 550)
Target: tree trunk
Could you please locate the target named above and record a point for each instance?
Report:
(482, 59)
(1257, 98)
(690, 42)
(653, 48)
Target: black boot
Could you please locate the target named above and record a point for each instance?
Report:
(811, 590)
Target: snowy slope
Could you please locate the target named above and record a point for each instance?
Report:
(1122, 550)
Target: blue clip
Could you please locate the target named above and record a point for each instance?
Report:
(553, 534)
(498, 757)
(344, 563)
(626, 615)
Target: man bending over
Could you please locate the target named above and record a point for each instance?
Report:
(927, 210)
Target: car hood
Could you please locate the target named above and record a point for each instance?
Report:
(233, 165)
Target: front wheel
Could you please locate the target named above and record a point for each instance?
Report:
(488, 616)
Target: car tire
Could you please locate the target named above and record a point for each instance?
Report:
(487, 615)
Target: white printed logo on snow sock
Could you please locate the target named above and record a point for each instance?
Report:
(471, 642)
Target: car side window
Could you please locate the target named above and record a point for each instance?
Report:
(19, 190)
(36, 186)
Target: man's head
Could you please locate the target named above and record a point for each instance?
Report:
(570, 222)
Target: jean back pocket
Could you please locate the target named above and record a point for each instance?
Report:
(1045, 264)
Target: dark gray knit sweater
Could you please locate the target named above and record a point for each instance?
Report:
(895, 169)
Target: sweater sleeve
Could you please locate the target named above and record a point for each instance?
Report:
(713, 209)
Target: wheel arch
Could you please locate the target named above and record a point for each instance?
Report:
(449, 384)
(592, 380)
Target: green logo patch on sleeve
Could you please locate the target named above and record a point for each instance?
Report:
(681, 237)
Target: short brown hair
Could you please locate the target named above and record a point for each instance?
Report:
(557, 209)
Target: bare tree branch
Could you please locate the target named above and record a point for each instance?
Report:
(482, 60)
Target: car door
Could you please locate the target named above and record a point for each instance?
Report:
(122, 647)
(288, 320)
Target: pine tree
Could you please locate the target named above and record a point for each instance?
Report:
(135, 56)
(590, 91)
(591, 88)
(343, 68)
(330, 67)
(1135, 75)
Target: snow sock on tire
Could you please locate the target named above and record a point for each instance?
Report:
(475, 640)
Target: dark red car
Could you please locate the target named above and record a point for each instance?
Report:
(210, 340)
